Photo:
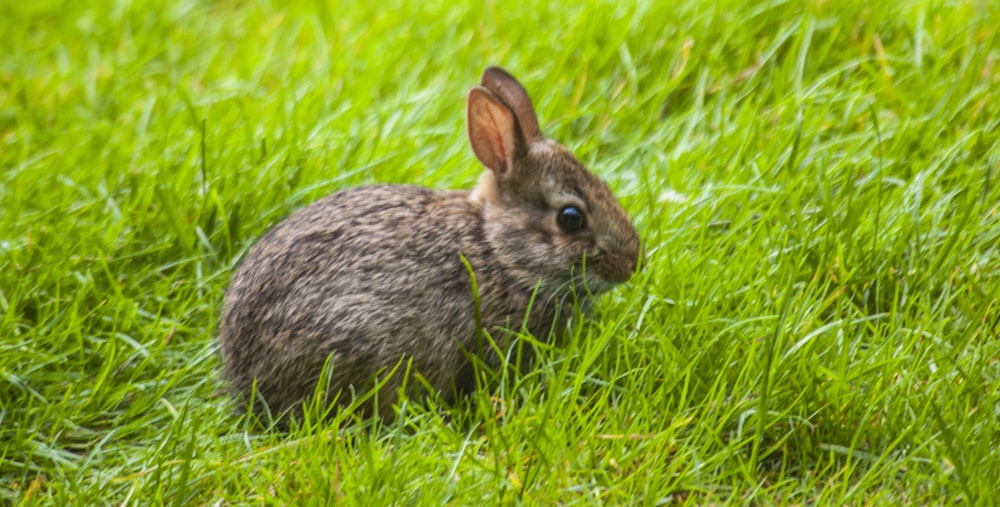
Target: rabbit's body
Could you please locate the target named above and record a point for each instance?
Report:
(371, 276)
(400, 297)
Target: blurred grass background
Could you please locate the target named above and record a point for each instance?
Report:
(815, 182)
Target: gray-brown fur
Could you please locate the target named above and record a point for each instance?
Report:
(371, 275)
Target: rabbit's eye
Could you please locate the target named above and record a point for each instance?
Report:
(571, 219)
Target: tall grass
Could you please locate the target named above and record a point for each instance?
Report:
(816, 184)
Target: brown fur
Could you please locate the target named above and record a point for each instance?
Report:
(369, 276)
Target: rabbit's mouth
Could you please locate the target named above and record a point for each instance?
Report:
(606, 270)
(585, 279)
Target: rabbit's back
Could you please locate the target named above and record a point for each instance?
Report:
(370, 275)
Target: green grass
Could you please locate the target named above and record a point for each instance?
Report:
(816, 184)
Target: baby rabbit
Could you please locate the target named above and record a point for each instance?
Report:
(372, 276)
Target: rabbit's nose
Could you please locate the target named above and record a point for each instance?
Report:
(635, 252)
(617, 267)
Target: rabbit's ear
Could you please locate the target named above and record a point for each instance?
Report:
(516, 97)
(493, 131)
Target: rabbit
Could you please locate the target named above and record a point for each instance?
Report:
(374, 277)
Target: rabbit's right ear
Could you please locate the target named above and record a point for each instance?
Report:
(493, 131)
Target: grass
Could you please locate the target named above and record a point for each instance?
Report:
(816, 184)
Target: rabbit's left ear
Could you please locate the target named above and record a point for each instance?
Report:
(493, 131)
(511, 93)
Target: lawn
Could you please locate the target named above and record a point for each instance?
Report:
(817, 185)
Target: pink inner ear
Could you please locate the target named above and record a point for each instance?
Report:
(491, 131)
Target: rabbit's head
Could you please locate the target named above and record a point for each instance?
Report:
(547, 217)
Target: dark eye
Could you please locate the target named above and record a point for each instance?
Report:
(571, 219)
